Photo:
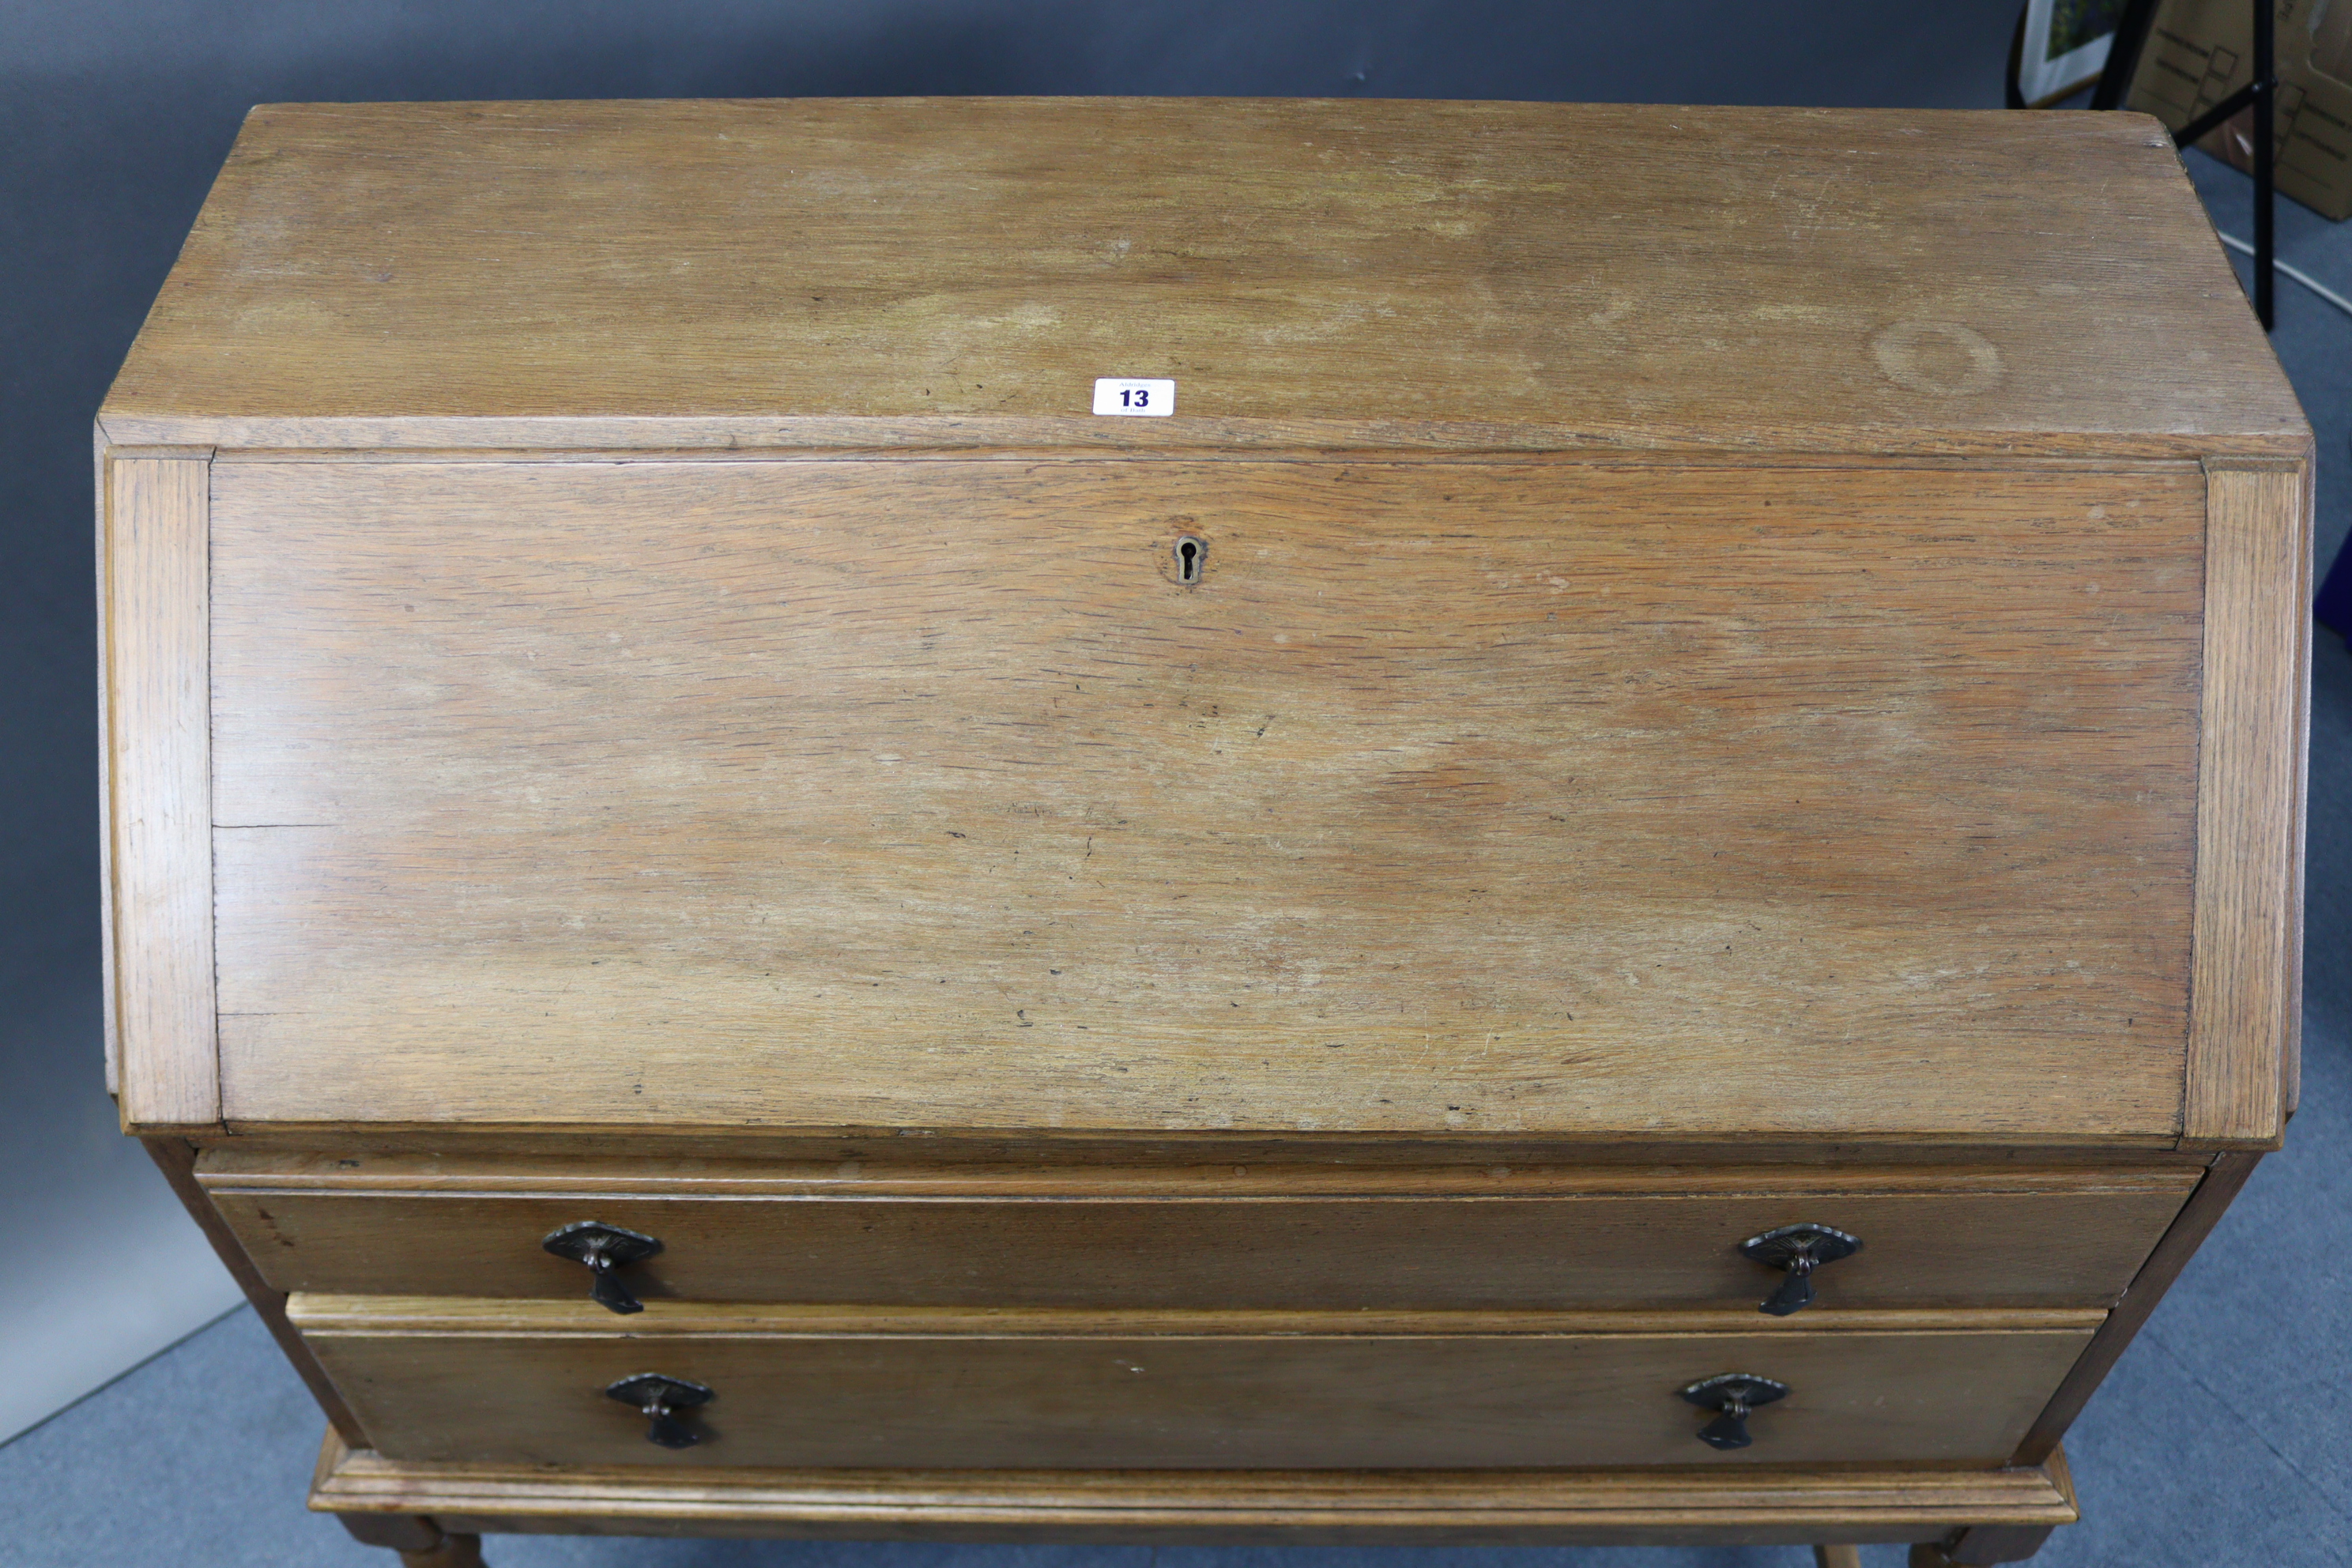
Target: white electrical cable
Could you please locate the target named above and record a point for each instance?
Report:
(2305, 278)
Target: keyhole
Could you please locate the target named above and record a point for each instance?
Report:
(1191, 555)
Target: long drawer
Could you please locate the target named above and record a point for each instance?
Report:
(1541, 1238)
(955, 1388)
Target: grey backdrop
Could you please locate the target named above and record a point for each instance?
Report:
(115, 113)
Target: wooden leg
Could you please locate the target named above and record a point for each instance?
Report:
(1837, 1557)
(420, 1542)
(1980, 1546)
(455, 1552)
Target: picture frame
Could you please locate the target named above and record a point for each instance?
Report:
(2063, 48)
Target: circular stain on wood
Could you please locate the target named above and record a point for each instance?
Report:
(1944, 358)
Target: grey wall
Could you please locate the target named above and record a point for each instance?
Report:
(115, 113)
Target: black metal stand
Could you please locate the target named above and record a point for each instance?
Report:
(2261, 93)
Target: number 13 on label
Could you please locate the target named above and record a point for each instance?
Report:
(1125, 394)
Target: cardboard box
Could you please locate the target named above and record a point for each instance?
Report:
(2202, 51)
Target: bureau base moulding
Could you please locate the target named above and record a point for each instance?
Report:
(1298, 1508)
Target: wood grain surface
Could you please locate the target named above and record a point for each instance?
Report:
(2065, 1239)
(511, 1383)
(102, 496)
(2299, 823)
(159, 792)
(1477, 799)
(2248, 979)
(957, 272)
(1704, 1503)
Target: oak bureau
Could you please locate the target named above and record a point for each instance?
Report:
(1188, 820)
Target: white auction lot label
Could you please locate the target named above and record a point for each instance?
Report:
(1125, 394)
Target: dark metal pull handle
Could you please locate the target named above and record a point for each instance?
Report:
(1732, 1395)
(659, 1399)
(604, 1248)
(1799, 1249)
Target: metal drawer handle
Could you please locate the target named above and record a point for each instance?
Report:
(659, 1399)
(1799, 1249)
(604, 1248)
(1732, 1394)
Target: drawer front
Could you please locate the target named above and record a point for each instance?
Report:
(2073, 1240)
(1082, 1391)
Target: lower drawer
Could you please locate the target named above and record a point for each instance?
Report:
(1492, 1237)
(948, 1388)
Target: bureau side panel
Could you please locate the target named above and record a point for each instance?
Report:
(103, 492)
(2247, 983)
(159, 791)
(1465, 798)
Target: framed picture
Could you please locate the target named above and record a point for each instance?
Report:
(2063, 47)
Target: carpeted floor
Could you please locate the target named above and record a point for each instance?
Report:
(2221, 1438)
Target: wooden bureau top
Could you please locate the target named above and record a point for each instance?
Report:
(957, 272)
